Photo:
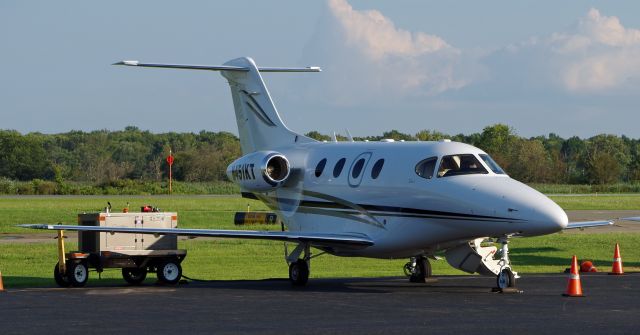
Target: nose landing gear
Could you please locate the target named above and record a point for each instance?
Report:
(506, 279)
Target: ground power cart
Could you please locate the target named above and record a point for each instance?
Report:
(135, 254)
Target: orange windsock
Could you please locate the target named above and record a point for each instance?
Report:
(574, 287)
(616, 269)
(1, 283)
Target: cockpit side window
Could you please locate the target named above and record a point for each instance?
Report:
(492, 164)
(453, 165)
(426, 167)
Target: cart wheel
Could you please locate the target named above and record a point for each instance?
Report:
(61, 278)
(169, 272)
(134, 276)
(77, 273)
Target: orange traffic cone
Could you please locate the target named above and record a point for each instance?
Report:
(1, 283)
(574, 287)
(617, 262)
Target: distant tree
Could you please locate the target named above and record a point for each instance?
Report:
(606, 158)
(317, 136)
(431, 135)
(23, 157)
(498, 141)
(398, 136)
(531, 162)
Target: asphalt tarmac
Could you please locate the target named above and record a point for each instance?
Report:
(453, 305)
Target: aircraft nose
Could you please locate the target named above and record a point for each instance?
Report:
(550, 218)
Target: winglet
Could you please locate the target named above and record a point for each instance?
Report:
(127, 63)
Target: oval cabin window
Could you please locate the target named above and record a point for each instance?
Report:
(377, 167)
(337, 170)
(357, 168)
(320, 167)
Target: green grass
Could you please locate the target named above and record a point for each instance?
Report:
(193, 211)
(631, 187)
(31, 264)
(600, 202)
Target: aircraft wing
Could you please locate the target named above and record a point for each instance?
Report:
(588, 224)
(314, 239)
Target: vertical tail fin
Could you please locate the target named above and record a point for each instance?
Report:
(259, 124)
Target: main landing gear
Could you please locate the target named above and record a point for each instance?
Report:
(418, 269)
(299, 266)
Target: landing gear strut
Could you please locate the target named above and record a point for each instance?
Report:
(506, 278)
(418, 269)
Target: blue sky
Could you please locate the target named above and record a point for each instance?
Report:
(569, 67)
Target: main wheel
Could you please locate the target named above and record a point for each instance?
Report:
(77, 273)
(134, 276)
(169, 272)
(61, 278)
(506, 279)
(423, 271)
(299, 273)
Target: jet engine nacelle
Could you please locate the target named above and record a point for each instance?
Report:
(260, 171)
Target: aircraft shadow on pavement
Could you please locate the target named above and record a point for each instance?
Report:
(380, 285)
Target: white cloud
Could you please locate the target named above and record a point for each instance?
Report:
(599, 56)
(370, 58)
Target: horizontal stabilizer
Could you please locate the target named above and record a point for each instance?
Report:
(315, 239)
(588, 224)
(218, 67)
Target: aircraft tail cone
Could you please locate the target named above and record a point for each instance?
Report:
(574, 287)
(616, 269)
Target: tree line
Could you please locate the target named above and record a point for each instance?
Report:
(105, 157)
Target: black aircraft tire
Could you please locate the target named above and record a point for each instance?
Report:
(506, 279)
(134, 276)
(424, 271)
(299, 273)
(61, 278)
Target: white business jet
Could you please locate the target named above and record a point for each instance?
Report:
(370, 199)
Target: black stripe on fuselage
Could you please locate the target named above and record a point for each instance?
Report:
(392, 210)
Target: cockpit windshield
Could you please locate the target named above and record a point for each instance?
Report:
(454, 165)
(492, 164)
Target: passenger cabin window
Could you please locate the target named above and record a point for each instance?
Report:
(426, 167)
(320, 167)
(492, 164)
(357, 168)
(454, 165)
(337, 170)
(377, 167)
